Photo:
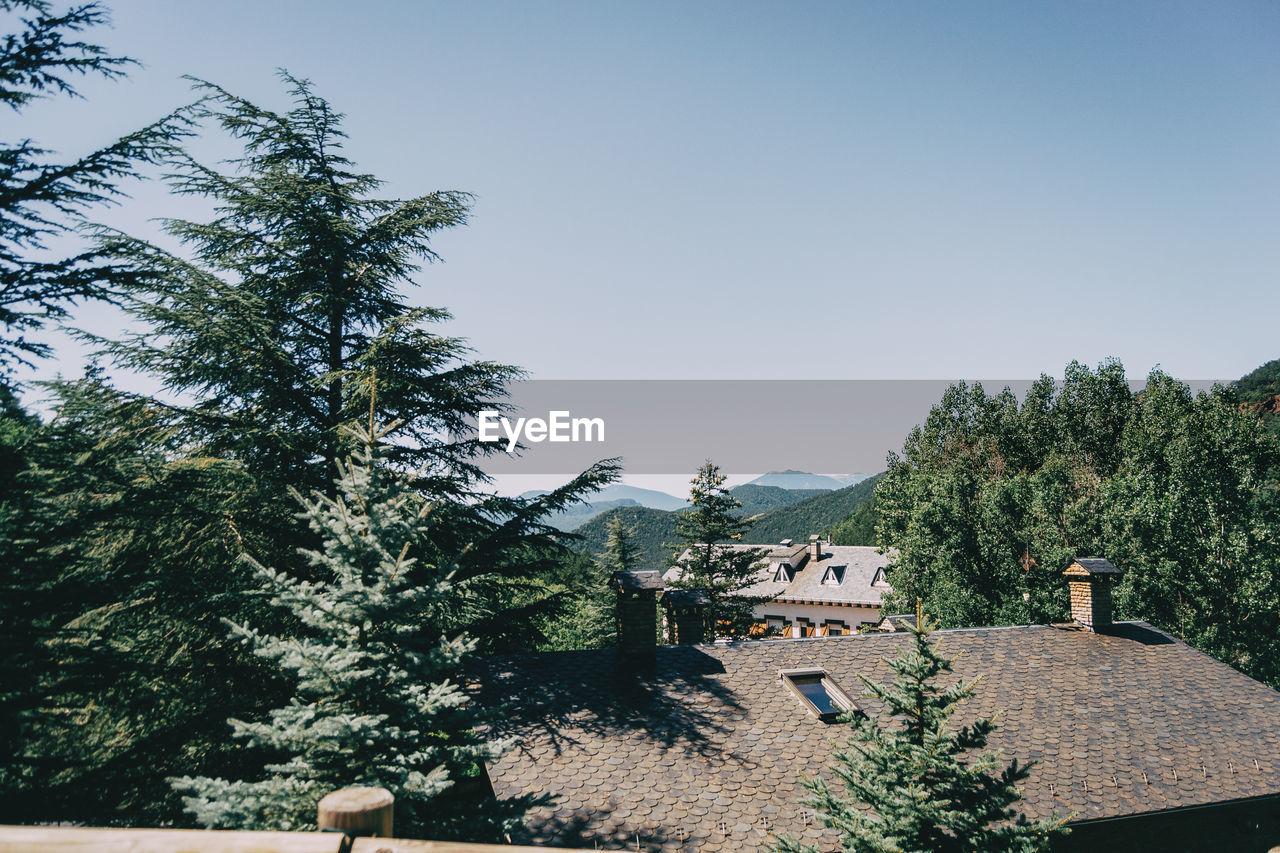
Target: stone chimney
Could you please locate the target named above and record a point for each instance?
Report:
(637, 611)
(815, 547)
(1089, 579)
(686, 616)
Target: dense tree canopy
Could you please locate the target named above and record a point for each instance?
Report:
(283, 327)
(1173, 487)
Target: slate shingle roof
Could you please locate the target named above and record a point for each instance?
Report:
(704, 752)
(860, 564)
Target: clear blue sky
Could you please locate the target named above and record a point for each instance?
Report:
(800, 190)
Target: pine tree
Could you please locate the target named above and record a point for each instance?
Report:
(40, 198)
(119, 558)
(272, 335)
(912, 784)
(377, 700)
(724, 572)
(286, 304)
(619, 547)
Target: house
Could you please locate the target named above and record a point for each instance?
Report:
(1148, 743)
(817, 590)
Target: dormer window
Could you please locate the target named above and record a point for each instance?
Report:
(819, 693)
(834, 576)
(879, 579)
(783, 574)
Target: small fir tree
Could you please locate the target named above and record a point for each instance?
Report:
(913, 785)
(376, 700)
(620, 553)
(725, 572)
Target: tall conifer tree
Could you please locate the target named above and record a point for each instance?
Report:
(710, 562)
(272, 334)
(377, 700)
(289, 299)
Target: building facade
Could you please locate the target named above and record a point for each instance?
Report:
(816, 590)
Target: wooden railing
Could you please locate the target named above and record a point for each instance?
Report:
(352, 820)
(75, 839)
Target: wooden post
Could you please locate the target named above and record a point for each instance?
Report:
(357, 811)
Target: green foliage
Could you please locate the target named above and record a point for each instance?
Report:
(133, 512)
(620, 550)
(652, 530)
(912, 784)
(1193, 515)
(1260, 390)
(1261, 384)
(588, 620)
(723, 572)
(375, 700)
(1172, 487)
(756, 499)
(39, 198)
(126, 560)
(859, 528)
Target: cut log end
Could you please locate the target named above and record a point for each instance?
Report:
(357, 811)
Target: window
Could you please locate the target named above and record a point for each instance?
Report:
(835, 627)
(879, 579)
(804, 627)
(834, 576)
(774, 625)
(783, 574)
(820, 694)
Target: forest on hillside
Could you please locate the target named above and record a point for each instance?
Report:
(219, 603)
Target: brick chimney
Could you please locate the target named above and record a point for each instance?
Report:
(1089, 579)
(686, 616)
(637, 611)
(815, 547)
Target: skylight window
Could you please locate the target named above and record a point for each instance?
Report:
(820, 694)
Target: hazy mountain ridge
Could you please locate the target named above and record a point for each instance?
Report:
(791, 479)
(818, 512)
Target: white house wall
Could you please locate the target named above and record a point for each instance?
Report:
(819, 614)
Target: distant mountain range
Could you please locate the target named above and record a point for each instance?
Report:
(815, 514)
(761, 495)
(610, 497)
(641, 497)
(804, 480)
(805, 512)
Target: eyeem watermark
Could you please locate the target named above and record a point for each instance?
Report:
(558, 426)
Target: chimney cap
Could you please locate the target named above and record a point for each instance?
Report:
(633, 581)
(1091, 567)
(786, 543)
(687, 598)
(815, 538)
